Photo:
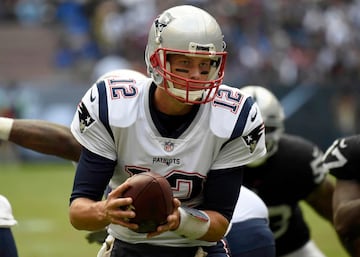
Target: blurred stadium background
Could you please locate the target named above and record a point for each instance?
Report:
(307, 53)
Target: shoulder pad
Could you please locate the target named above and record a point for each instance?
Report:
(230, 112)
(119, 98)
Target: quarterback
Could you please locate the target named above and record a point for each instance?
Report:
(181, 123)
(250, 215)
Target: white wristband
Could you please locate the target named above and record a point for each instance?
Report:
(5, 128)
(193, 223)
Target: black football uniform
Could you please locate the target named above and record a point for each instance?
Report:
(342, 158)
(287, 177)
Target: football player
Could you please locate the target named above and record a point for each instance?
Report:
(341, 159)
(250, 214)
(250, 218)
(181, 123)
(7, 242)
(290, 172)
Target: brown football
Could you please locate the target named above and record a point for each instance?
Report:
(152, 200)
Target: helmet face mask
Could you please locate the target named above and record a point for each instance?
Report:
(189, 31)
(189, 90)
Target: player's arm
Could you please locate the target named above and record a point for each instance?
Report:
(41, 136)
(87, 209)
(346, 205)
(211, 220)
(321, 199)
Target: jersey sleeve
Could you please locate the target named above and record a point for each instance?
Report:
(242, 125)
(341, 158)
(88, 128)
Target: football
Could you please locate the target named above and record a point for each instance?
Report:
(152, 200)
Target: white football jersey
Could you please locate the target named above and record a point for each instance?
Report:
(249, 206)
(113, 120)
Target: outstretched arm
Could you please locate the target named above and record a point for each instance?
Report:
(346, 204)
(41, 136)
(321, 199)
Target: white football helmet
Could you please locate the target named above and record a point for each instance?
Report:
(193, 32)
(272, 113)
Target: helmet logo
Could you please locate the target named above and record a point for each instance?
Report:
(159, 26)
(160, 23)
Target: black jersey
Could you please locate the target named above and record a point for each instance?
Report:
(341, 158)
(286, 178)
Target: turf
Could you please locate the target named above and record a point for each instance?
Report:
(39, 196)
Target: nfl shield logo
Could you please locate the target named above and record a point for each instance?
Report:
(168, 146)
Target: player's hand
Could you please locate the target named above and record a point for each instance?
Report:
(173, 221)
(118, 209)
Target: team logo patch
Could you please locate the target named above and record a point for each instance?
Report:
(253, 137)
(168, 146)
(85, 119)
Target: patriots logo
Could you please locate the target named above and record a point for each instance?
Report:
(253, 137)
(162, 21)
(85, 119)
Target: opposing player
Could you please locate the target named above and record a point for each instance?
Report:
(181, 123)
(291, 171)
(7, 242)
(341, 159)
(250, 234)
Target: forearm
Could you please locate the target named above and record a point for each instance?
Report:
(201, 225)
(347, 217)
(352, 246)
(321, 200)
(42, 136)
(218, 227)
(86, 214)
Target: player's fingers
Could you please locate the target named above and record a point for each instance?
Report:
(160, 229)
(125, 223)
(122, 216)
(117, 192)
(176, 203)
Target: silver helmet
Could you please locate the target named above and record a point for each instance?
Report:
(272, 113)
(190, 31)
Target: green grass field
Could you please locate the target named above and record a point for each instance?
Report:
(39, 196)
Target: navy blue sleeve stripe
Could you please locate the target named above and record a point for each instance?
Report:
(241, 121)
(103, 107)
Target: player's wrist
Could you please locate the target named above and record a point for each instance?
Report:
(5, 128)
(193, 223)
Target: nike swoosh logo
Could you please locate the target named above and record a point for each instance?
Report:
(92, 99)
(252, 118)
